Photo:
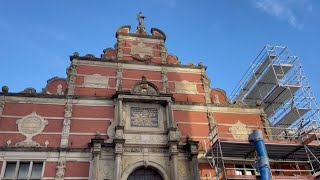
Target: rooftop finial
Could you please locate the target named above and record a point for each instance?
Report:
(140, 19)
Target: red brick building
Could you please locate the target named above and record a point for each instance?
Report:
(135, 111)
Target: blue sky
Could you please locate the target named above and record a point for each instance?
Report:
(37, 37)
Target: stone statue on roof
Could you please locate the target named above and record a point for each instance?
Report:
(140, 19)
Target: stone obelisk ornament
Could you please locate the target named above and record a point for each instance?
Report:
(30, 125)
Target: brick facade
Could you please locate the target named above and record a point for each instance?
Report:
(90, 105)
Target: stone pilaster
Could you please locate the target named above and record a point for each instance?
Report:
(66, 124)
(120, 113)
(206, 85)
(118, 143)
(170, 114)
(192, 147)
(96, 145)
(61, 167)
(165, 85)
(119, 47)
(119, 77)
(71, 80)
(163, 53)
(173, 140)
(71, 72)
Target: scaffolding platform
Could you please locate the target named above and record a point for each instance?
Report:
(265, 83)
(288, 119)
(276, 81)
(279, 95)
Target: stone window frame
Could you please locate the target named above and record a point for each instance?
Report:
(161, 117)
(17, 167)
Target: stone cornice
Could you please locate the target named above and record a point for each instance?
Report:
(85, 60)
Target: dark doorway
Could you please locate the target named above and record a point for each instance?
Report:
(145, 174)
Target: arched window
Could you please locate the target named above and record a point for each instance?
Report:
(145, 174)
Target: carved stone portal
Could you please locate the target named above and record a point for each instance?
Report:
(31, 125)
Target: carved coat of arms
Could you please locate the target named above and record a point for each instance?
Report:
(141, 52)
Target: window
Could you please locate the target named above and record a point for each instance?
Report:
(244, 169)
(24, 170)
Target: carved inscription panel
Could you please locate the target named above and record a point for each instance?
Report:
(186, 87)
(95, 81)
(143, 117)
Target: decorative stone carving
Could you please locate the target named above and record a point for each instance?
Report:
(71, 72)
(5, 89)
(163, 52)
(216, 99)
(124, 114)
(145, 87)
(60, 169)
(66, 123)
(111, 132)
(183, 169)
(206, 85)
(145, 139)
(140, 19)
(134, 150)
(174, 135)
(186, 87)
(141, 52)
(29, 90)
(119, 148)
(165, 84)
(96, 81)
(143, 117)
(173, 148)
(119, 133)
(31, 125)
(106, 170)
(211, 121)
(9, 142)
(240, 131)
(119, 47)
(119, 78)
(60, 90)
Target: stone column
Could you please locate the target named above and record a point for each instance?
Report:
(174, 161)
(96, 145)
(118, 142)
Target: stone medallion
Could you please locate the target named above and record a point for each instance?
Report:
(30, 125)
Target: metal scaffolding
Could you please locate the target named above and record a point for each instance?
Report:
(222, 149)
(277, 82)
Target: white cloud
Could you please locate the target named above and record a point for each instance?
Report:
(285, 10)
